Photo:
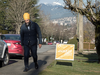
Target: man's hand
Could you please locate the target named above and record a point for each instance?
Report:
(40, 45)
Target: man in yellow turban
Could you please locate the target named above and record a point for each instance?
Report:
(28, 33)
(26, 17)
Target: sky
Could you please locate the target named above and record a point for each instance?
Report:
(51, 1)
(57, 1)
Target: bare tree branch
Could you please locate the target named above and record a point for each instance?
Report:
(88, 10)
(17, 8)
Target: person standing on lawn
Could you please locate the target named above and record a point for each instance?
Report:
(28, 33)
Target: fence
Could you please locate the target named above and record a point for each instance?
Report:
(87, 46)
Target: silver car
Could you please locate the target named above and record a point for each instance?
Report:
(4, 56)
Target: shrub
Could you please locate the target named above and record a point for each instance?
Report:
(73, 41)
(4, 31)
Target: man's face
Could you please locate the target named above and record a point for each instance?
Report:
(27, 21)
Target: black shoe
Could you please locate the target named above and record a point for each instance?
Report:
(26, 69)
(30, 56)
(36, 66)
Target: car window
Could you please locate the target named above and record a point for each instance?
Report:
(3, 37)
(11, 37)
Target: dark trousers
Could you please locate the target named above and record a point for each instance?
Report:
(27, 49)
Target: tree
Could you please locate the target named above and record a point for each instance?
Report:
(56, 31)
(2, 19)
(47, 28)
(4, 23)
(92, 11)
(89, 35)
(16, 9)
(2, 14)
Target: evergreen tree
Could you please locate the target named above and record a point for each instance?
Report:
(4, 23)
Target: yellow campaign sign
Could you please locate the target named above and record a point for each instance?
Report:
(65, 51)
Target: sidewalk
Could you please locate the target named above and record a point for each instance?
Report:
(44, 59)
(87, 52)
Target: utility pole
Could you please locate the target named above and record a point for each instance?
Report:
(77, 21)
(80, 28)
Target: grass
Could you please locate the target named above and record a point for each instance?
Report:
(86, 56)
(75, 67)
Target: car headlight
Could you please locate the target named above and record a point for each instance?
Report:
(8, 44)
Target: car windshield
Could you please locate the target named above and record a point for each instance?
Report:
(65, 41)
(11, 37)
(57, 41)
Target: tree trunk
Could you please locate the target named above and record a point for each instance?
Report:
(48, 38)
(97, 41)
(59, 38)
(18, 25)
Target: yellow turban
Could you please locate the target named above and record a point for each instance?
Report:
(26, 16)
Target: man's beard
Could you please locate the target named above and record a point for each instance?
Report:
(27, 24)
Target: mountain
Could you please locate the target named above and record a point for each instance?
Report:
(55, 10)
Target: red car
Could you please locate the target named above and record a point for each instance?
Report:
(13, 43)
(49, 43)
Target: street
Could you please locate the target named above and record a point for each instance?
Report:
(46, 48)
(16, 66)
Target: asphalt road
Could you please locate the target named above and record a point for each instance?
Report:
(16, 65)
(46, 48)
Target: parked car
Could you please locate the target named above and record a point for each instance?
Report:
(54, 42)
(14, 44)
(65, 42)
(57, 42)
(4, 56)
(50, 43)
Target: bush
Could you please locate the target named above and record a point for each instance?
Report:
(73, 41)
(4, 31)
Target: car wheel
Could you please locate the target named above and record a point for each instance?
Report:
(6, 58)
(5, 61)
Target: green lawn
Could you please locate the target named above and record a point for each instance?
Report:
(86, 56)
(76, 67)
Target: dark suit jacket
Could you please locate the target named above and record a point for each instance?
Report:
(31, 34)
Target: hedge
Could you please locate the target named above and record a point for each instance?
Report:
(4, 31)
(73, 41)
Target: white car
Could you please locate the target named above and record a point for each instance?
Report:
(54, 42)
(65, 42)
(4, 56)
